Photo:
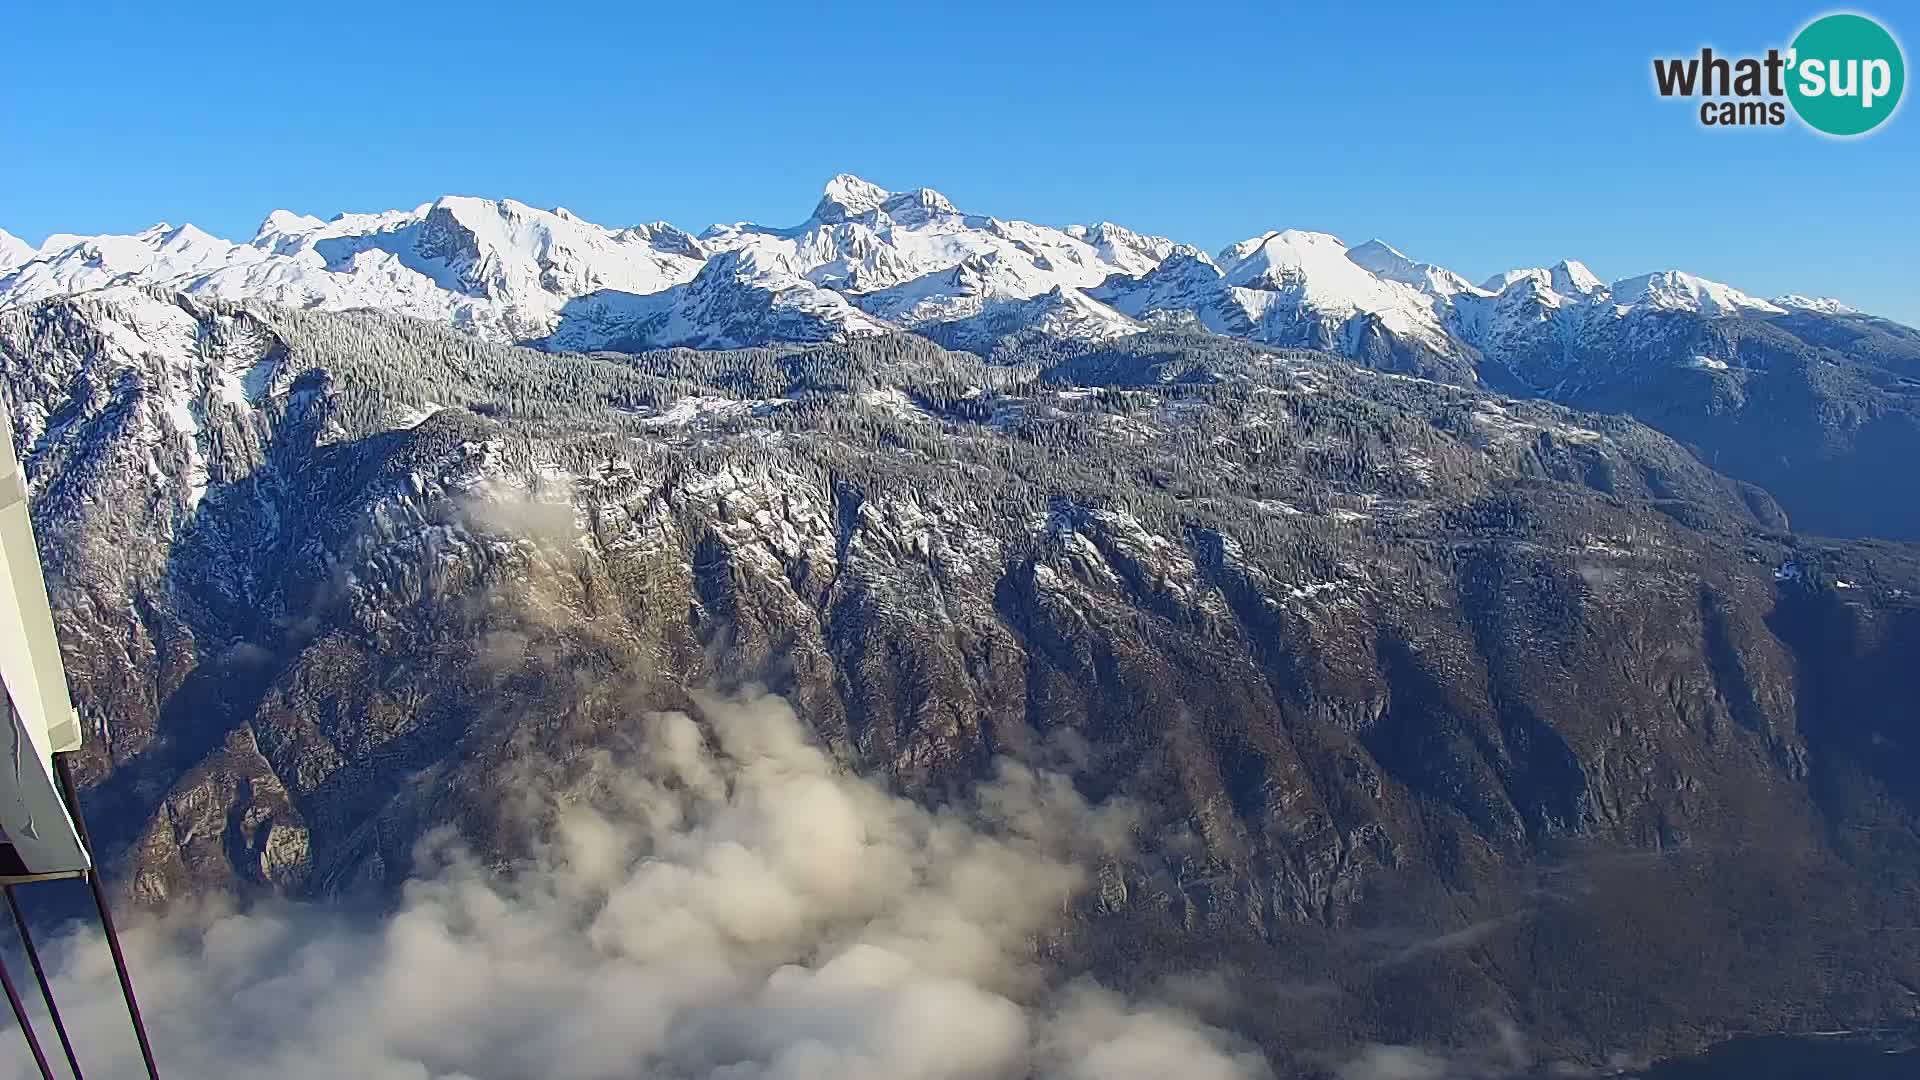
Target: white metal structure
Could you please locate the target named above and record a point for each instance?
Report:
(42, 833)
(34, 821)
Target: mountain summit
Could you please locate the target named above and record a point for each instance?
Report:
(13, 251)
(848, 196)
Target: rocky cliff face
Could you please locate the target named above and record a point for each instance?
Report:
(1424, 691)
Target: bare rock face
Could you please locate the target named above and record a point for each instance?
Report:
(1421, 690)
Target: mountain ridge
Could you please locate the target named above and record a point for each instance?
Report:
(879, 250)
(1804, 396)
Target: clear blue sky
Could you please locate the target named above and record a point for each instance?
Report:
(1477, 139)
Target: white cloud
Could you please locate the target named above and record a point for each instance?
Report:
(726, 902)
(1394, 1063)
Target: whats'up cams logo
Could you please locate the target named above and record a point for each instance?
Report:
(1842, 76)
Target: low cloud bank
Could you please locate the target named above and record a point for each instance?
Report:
(727, 902)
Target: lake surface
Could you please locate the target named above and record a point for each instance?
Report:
(1791, 1058)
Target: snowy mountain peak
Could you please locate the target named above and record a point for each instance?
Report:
(847, 196)
(1500, 282)
(1384, 260)
(161, 253)
(1234, 254)
(1301, 288)
(1268, 258)
(1571, 278)
(1301, 238)
(1675, 290)
(1279, 260)
(664, 237)
(1378, 252)
(917, 206)
(507, 223)
(1825, 305)
(284, 223)
(1134, 253)
(13, 251)
(1565, 280)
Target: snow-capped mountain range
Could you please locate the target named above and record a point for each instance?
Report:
(872, 261)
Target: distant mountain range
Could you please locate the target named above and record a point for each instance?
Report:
(1806, 396)
(868, 261)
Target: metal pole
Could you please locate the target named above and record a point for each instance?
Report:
(26, 1025)
(46, 987)
(72, 793)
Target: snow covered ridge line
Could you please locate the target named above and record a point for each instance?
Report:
(867, 261)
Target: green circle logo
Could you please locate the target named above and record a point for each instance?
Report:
(1845, 74)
